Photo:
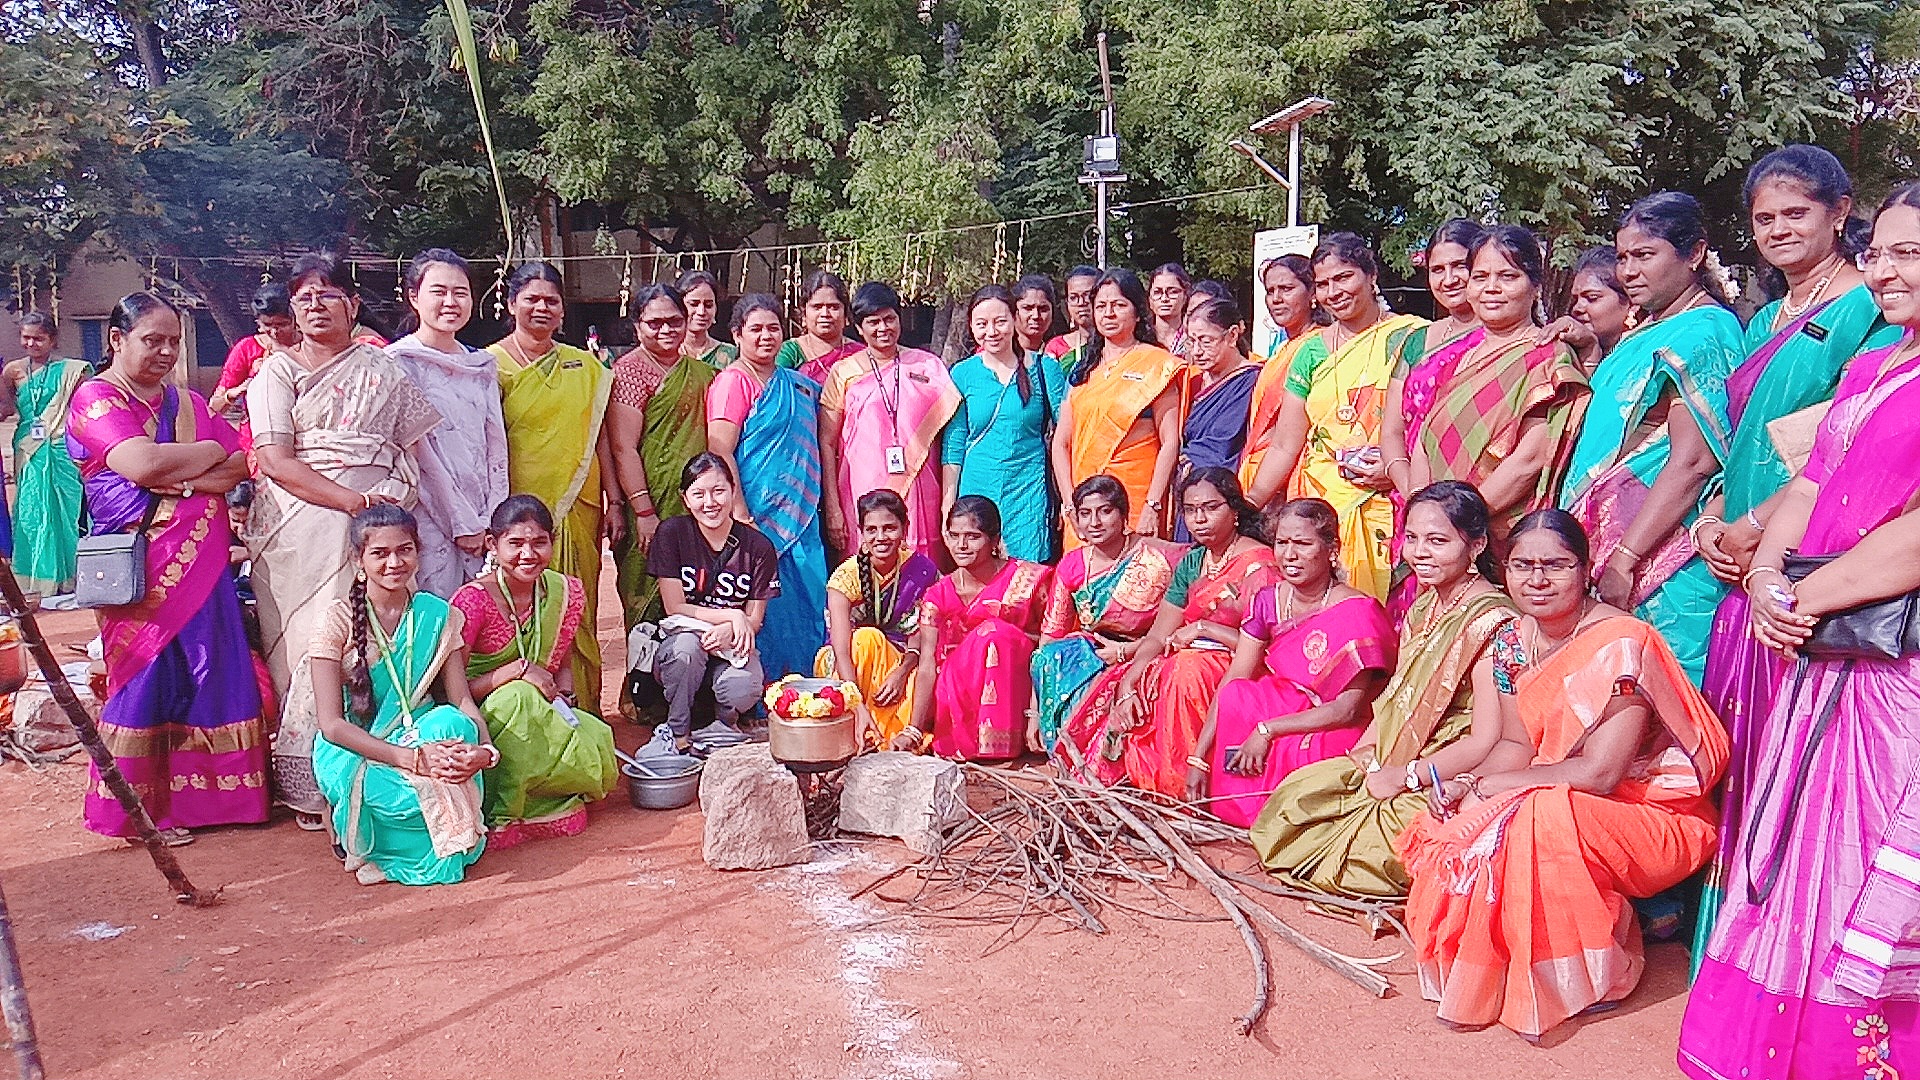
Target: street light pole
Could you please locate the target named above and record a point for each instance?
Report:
(1289, 119)
(1102, 158)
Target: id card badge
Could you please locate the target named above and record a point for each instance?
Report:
(897, 460)
(39, 431)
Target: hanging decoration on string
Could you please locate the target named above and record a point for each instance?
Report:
(626, 284)
(999, 252)
(1020, 252)
(500, 290)
(53, 290)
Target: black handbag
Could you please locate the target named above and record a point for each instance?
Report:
(110, 570)
(1886, 629)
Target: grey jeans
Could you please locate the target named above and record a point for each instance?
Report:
(682, 667)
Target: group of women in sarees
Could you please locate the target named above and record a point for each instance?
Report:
(1473, 614)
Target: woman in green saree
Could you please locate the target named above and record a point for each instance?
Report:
(554, 758)
(400, 770)
(1331, 826)
(656, 423)
(1656, 431)
(701, 293)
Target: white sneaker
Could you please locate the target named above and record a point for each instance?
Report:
(662, 745)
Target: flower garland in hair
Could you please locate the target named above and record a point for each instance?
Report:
(1722, 279)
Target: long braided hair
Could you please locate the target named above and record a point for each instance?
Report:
(358, 674)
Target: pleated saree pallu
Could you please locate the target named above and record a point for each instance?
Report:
(554, 409)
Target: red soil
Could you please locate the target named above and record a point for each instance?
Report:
(619, 953)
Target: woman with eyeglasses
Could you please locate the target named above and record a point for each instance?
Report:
(554, 399)
(1220, 384)
(337, 428)
(1597, 791)
(656, 422)
(1811, 968)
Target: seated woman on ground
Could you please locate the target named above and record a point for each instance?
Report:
(977, 630)
(1313, 655)
(520, 621)
(716, 575)
(1104, 598)
(1330, 826)
(1141, 718)
(1605, 759)
(873, 609)
(400, 771)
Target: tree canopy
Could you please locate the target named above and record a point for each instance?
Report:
(218, 128)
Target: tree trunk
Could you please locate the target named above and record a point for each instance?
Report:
(227, 292)
(147, 46)
(13, 1002)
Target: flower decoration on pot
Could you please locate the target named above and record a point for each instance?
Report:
(823, 700)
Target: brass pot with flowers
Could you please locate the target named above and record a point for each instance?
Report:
(813, 725)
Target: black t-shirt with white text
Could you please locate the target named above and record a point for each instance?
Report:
(745, 568)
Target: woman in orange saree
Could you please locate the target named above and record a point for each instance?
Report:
(1122, 416)
(1150, 711)
(1597, 792)
(1288, 284)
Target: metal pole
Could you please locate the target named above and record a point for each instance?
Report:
(13, 1002)
(1293, 175)
(1100, 228)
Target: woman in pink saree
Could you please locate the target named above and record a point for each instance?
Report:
(977, 630)
(1813, 967)
(1313, 654)
(182, 714)
(882, 411)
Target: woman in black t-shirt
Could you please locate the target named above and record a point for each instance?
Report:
(716, 575)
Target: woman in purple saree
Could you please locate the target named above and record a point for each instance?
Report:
(1813, 967)
(182, 715)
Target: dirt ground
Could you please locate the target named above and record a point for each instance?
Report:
(618, 953)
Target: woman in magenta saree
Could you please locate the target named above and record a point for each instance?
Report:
(1813, 967)
(977, 629)
(1312, 656)
(182, 714)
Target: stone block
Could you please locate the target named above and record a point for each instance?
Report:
(755, 819)
(40, 723)
(913, 798)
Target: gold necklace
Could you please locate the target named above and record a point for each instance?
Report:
(1539, 652)
(520, 354)
(1441, 609)
(1286, 616)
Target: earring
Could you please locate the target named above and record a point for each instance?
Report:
(360, 576)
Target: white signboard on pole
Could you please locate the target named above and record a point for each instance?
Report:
(1268, 245)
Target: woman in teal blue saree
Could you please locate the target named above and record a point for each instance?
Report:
(1656, 436)
(400, 770)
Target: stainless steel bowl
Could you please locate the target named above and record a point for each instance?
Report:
(667, 792)
(825, 743)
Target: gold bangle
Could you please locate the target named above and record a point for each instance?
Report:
(1746, 580)
(1622, 549)
(1195, 761)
